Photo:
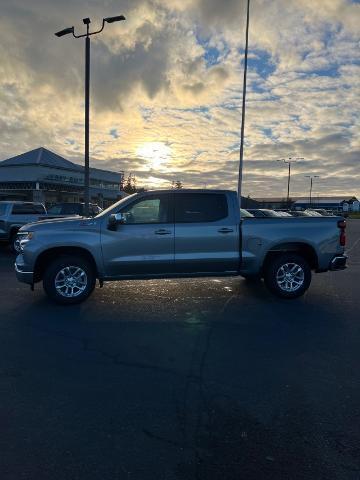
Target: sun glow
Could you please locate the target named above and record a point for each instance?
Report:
(155, 153)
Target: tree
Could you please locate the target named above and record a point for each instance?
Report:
(177, 184)
(130, 184)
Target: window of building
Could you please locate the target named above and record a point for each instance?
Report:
(200, 207)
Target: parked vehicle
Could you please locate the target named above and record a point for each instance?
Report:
(322, 211)
(299, 213)
(263, 212)
(246, 213)
(313, 213)
(177, 233)
(15, 214)
(283, 214)
(60, 210)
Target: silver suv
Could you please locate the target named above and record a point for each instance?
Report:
(15, 214)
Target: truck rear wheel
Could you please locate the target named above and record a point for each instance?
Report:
(69, 279)
(288, 275)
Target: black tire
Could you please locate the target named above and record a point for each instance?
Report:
(69, 263)
(278, 283)
(14, 245)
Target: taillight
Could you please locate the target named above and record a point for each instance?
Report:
(342, 226)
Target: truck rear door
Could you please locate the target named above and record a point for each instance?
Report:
(206, 233)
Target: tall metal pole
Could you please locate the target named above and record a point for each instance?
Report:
(288, 190)
(243, 106)
(87, 121)
(67, 31)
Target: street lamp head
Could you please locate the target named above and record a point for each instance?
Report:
(66, 31)
(86, 21)
(119, 18)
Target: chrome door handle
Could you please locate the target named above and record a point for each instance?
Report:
(162, 231)
(225, 230)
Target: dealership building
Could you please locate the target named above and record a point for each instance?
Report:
(43, 176)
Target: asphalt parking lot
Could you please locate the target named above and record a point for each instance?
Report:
(181, 380)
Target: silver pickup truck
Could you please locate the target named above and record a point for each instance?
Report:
(177, 233)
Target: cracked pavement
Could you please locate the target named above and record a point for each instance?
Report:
(207, 378)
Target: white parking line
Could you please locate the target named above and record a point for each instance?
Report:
(353, 245)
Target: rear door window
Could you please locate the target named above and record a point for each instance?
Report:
(200, 207)
(27, 209)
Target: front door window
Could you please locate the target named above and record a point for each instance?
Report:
(148, 210)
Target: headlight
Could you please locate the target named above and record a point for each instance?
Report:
(23, 238)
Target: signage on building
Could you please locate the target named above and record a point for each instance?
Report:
(64, 179)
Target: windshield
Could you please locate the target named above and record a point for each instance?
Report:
(114, 206)
(66, 209)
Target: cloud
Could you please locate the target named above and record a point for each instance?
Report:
(172, 73)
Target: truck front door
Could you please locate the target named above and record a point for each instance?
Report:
(144, 244)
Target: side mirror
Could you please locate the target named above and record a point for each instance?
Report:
(116, 219)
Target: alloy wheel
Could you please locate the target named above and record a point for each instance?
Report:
(71, 281)
(290, 277)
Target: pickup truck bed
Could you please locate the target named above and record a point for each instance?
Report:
(316, 238)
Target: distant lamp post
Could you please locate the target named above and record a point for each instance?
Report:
(67, 31)
(289, 161)
(311, 186)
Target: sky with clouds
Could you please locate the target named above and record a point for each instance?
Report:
(166, 90)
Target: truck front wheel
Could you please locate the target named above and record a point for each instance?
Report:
(69, 279)
(288, 275)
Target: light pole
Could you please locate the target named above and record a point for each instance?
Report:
(243, 104)
(289, 161)
(311, 185)
(66, 31)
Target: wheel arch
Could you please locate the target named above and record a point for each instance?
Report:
(47, 255)
(14, 230)
(304, 249)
